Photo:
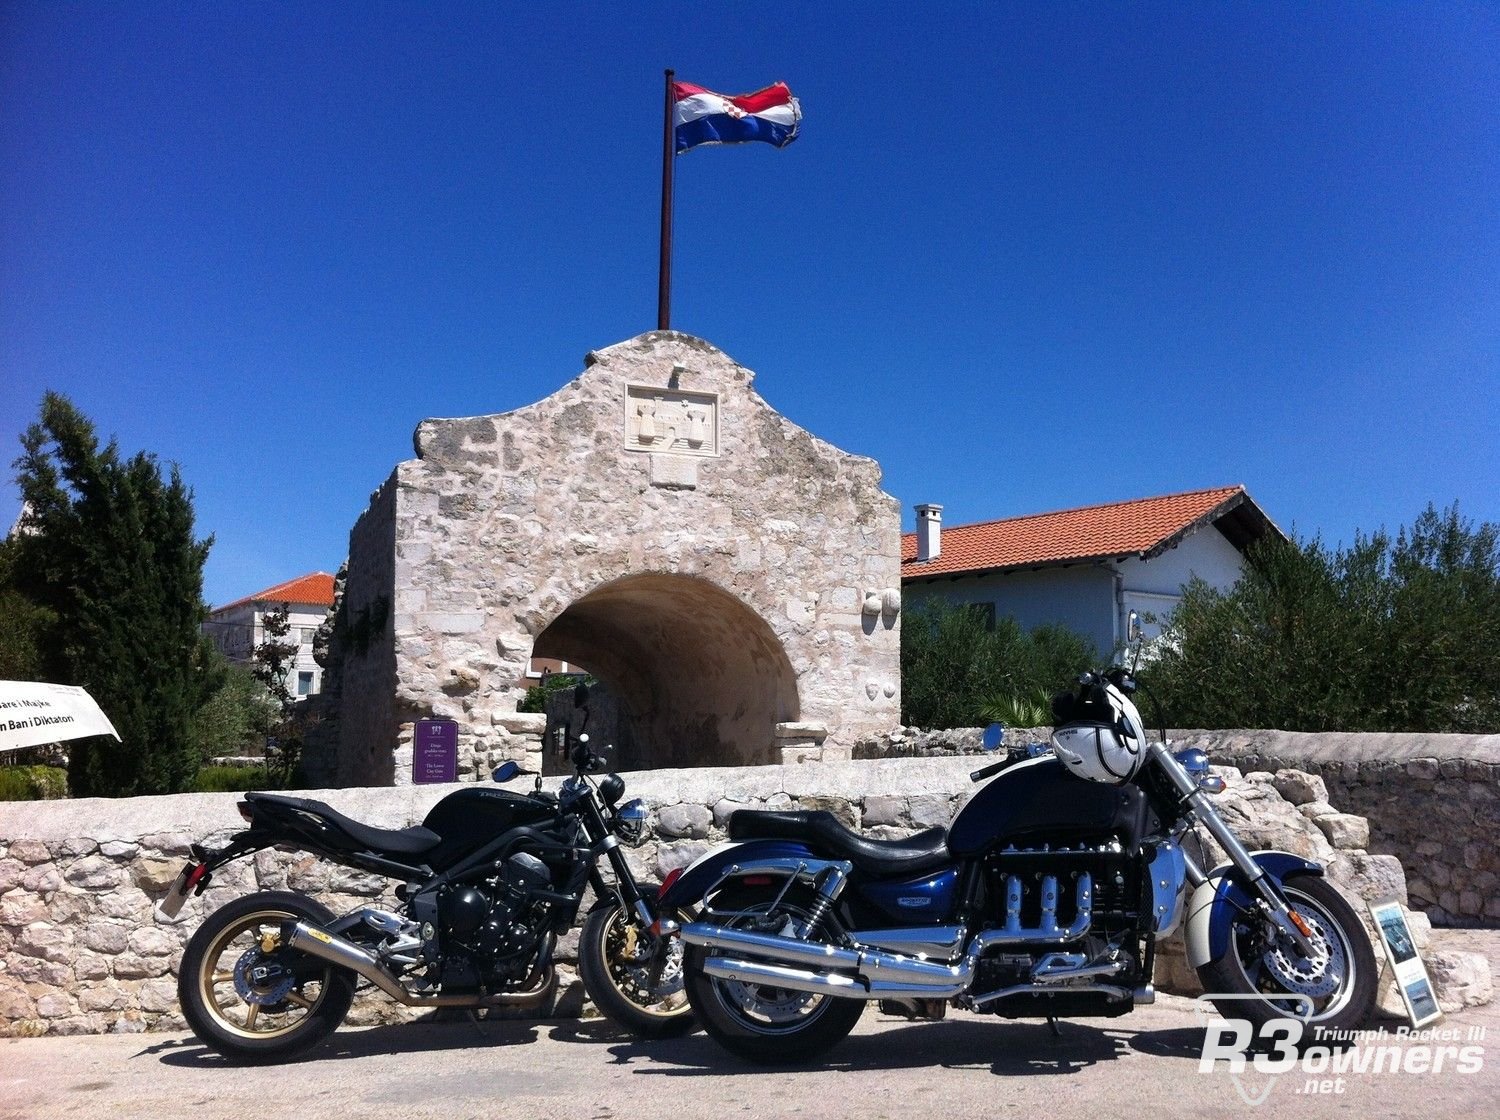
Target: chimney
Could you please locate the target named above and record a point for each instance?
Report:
(929, 532)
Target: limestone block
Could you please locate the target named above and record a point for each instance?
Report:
(1300, 788)
(93, 873)
(723, 809)
(1427, 768)
(131, 966)
(1344, 830)
(166, 844)
(88, 966)
(54, 1005)
(884, 810)
(42, 879)
(670, 857)
(11, 873)
(1370, 877)
(110, 938)
(29, 851)
(931, 811)
(684, 822)
(119, 849)
(1460, 979)
(46, 942)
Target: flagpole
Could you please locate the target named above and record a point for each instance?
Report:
(664, 275)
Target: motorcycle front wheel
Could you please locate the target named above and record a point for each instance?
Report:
(248, 996)
(632, 977)
(762, 1022)
(1334, 990)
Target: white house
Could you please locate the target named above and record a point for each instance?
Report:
(239, 627)
(1086, 568)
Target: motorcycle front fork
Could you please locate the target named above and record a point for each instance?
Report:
(1272, 903)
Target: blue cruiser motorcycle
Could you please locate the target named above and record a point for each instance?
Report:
(1045, 897)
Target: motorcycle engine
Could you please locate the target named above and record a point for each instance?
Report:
(490, 931)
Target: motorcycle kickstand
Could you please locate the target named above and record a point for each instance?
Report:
(1052, 1024)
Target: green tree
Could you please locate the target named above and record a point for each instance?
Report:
(23, 623)
(238, 716)
(107, 548)
(1388, 634)
(274, 659)
(956, 668)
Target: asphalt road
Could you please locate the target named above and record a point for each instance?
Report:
(1145, 1063)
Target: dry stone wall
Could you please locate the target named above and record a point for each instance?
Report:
(1432, 800)
(80, 953)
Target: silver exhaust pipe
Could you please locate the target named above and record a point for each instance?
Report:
(336, 950)
(865, 973)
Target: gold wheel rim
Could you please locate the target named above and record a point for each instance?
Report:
(221, 996)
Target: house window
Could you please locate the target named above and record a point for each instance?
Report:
(304, 682)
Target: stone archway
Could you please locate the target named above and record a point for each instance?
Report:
(700, 675)
(732, 576)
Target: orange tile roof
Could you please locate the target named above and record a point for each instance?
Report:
(314, 589)
(1135, 528)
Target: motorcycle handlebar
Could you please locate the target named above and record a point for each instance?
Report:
(985, 771)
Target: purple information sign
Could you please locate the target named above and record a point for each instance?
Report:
(434, 757)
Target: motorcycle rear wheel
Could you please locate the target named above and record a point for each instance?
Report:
(1253, 968)
(757, 1021)
(616, 963)
(247, 996)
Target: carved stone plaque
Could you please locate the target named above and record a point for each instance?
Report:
(671, 420)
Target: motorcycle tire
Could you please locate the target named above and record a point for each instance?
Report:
(760, 1022)
(1282, 983)
(252, 1000)
(617, 978)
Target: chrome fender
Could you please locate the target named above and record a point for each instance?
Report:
(1212, 906)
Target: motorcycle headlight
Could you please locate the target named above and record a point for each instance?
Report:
(630, 821)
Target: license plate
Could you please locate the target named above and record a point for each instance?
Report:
(169, 907)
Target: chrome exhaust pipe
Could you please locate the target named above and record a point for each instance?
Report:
(336, 950)
(839, 984)
(843, 986)
(905, 976)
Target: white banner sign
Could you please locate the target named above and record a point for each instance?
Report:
(32, 714)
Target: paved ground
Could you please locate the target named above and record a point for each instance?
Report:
(1145, 1063)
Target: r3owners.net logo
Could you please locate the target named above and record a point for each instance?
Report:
(1312, 1061)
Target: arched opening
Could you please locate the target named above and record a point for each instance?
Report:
(701, 678)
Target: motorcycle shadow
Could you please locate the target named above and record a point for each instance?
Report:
(1009, 1048)
(423, 1036)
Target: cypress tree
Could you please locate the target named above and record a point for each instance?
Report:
(107, 548)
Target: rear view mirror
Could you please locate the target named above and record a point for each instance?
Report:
(994, 736)
(1133, 628)
(506, 771)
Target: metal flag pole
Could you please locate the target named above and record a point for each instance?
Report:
(664, 276)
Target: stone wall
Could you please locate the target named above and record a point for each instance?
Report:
(79, 951)
(1432, 800)
(732, 578)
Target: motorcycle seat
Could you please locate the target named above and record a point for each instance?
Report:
(412, 841)
(822, 831)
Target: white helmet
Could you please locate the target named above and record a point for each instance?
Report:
(1108, 750)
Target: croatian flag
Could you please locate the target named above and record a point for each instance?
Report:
(701, 116)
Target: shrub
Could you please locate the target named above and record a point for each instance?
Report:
(955, 666)
(236, 779)
(33, 783)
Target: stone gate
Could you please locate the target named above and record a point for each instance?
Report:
(732, 578)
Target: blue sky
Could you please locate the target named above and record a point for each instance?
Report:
(1027, 256)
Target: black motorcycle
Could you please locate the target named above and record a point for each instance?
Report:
(1046, 897)
(487, 882)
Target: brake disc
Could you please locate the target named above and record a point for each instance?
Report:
(262, 981)
(1317, 975)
